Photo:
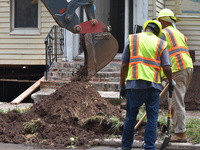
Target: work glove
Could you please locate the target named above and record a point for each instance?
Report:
(122, 91)
(171, 87)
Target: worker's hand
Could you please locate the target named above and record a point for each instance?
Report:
(122, 91)
(171, 87)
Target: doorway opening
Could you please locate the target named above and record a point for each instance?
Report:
(117, 18)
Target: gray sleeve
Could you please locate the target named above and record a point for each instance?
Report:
(126, 53)
(163, 37)
(165, 59)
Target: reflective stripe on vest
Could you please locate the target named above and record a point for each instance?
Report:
(177, 51)
(137, 60)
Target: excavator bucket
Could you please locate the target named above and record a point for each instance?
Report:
(101, 48)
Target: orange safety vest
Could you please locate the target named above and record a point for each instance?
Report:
(178, 49)
(145, 52)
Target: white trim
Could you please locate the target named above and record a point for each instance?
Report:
(181, 4)
(140, 12)
(126, 25)
(71, 42)
(25, 31)
(186, 16)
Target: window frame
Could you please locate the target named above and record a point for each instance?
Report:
(28, 30)
(179, 11)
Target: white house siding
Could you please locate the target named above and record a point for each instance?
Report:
(159, 6)
(22, 49)
(150, 9)
(30, 49)
(189, 26)
(154, 6)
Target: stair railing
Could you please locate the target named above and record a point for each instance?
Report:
(54, 45)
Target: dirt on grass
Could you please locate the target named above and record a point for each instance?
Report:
(74, 115)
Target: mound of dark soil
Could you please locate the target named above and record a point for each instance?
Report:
(76, 110)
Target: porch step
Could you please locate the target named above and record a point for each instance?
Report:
(73, 66)
(111, 96)
(100, 86)
(107, 79)
(106, 86)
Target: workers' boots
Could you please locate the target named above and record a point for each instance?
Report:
(179, 137)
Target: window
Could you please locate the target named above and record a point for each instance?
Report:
(25, 17)
(188, 7)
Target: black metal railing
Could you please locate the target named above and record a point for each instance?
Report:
(54, 44)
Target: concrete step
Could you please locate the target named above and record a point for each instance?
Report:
(100, 86)
(74, 65)
(112, 67)
(64, 70)
(106, 86)
(106, 77)
(99, 77)
(111, 96)
(52, 84)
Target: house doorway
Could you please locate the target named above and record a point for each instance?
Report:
(112, 12)
(117, 18)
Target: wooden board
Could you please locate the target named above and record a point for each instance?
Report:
(26, 93)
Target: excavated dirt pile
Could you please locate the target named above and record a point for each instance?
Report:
(75, 110)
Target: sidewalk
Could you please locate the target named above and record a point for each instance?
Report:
(107, 145)
(7, 106)
(138, 145)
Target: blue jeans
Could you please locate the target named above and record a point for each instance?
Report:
(135, 99)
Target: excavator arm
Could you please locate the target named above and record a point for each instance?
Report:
(64, 14)
(100, 47)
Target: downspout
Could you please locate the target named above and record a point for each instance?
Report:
(126, 26)
(71, 46)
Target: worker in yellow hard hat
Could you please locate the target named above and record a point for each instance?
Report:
(155, 25)
(168, 15)
(182, 70)
(143, 57)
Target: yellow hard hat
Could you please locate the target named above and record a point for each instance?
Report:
(157, 26)
(167, 13)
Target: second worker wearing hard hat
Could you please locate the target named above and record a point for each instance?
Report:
(182, 70)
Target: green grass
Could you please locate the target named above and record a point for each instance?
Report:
(30, 127)
(116, 124)
(193, 130)
(192, 125)
(162, 116)
(20, 110)
(99, 119)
